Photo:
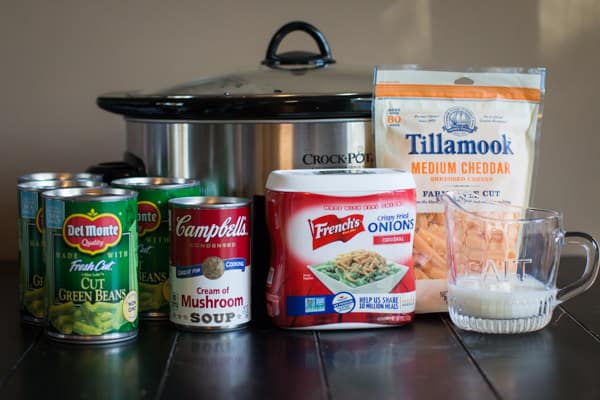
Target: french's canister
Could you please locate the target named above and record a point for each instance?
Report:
(341, 245)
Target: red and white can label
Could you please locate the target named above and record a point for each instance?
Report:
(210, 267)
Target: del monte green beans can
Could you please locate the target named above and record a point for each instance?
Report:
(153, 232)
(31, 244)
(91, 259)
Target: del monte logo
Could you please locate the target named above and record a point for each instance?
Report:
(148, 217)
(39, 220)
(92, 233)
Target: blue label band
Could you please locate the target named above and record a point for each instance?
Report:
(309, 305)
(188, 272)
(339, 303)
(346, 302)
(55, 213)
(29, 204)
(235, 263)
(196, 270)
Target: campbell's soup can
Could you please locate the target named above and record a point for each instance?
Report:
(210, 263)
(153, 233)
(341, 243)
(31, 243)
(91, 290)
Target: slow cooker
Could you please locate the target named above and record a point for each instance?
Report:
(298, 109)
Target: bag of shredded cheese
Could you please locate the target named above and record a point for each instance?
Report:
(470, 130)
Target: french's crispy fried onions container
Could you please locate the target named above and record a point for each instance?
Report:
(341, 244)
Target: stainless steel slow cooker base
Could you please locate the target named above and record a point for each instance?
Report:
(234, 158)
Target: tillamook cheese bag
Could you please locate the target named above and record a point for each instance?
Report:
(472, 130)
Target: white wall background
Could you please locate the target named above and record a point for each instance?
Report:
(57, 56)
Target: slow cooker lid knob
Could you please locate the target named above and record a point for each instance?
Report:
(298, 59)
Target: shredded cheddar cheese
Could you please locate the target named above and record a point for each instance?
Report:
(479, 137)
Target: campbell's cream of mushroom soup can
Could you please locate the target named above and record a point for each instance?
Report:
(341, 254)
(210, 263)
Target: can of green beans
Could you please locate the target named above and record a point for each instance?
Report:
(31, 244)
(153, 233)
(91, 291)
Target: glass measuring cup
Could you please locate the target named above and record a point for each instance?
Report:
(503, 264)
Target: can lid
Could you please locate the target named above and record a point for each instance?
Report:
(209, 202)
(338, 181)
(155, 182)
(42, 186)
(58, 176)
(90, 194)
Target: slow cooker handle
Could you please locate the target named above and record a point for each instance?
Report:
(300, 59)
(131, 166)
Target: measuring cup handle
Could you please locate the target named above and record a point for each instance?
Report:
(592, 254)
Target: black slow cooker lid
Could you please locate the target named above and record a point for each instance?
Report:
(290, 85)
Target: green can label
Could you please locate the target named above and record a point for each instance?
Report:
(153, 249)
(31, 287)
(31, 242)
(91, 261)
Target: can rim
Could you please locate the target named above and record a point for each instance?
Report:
(42, 186)
(154, 182)
(102, 194)
(209, 202)
(115, 338)
(58, 176)
(340, 181)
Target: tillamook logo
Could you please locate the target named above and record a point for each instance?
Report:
(329, 228)
(148, 217)
(92, 233)
(435, 144)
(459, 121)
